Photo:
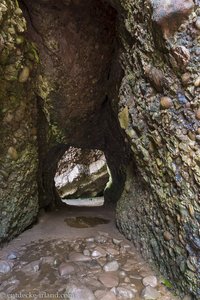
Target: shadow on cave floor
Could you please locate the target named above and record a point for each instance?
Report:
(80, 262)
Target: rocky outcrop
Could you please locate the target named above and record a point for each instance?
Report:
(159, 104)
(133, 64)
(18, 148)
(81, 174)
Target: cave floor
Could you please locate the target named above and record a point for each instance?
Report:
(76, 254)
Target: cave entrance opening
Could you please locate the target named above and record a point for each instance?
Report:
(81, 177)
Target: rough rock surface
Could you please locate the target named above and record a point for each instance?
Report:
(165, 144)
(79, 86)
(18, 147)
(81, 173)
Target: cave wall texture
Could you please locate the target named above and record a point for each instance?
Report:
(18, 147)
(147, 81)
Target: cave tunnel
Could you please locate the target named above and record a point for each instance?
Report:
(79, 52)
(116, 76)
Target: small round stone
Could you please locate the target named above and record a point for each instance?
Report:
(198, 130)
(197, 23)
(111, 266)
(12, 152)
(166, 102)
(185, 78)
(24, 75)
(66, 269)
(12, 255)
(198, 114)
(197, 82)
(4, 267)
(192, 136)
(167, 236)
(150, 280)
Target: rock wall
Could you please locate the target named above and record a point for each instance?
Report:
(159, 113)
(78, 86)
(18, 147)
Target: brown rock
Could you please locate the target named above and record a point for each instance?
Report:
(185, 78)
(170, 14)
(166, 102)
(198, 114)
(197, 82)
(182, 55)
(167, 236)
(109, 279)
(12, 152)
(155, 76)
(197, 23)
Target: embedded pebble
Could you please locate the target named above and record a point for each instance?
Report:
(197, 82)
(5, 267)
(197, 23)
(198, 114)
(116, 241)
(167, 236)
(24, 75)
(109, 279)
(75, 256)
(75, 292)
(12, 255)
(149, 293)
(150, 280)
(86, 252)
(66, 269)
(111, 266)
(125, 293)
(99, 252)
(12, 152)
(166, 102)
(185, 78)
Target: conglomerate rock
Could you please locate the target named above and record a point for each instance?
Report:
(159, 104)
(81, 89)
(18, 147)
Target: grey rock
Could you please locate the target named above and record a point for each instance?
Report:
(12, 255)
(150, 280)
(5, 267)
(125, 293)
(98, 252)
(33, 266)
(86, 252)
(111, 266)
(75, 292)
(149, 293)
(66, 269)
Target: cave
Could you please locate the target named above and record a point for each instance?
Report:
(120, 77)
(79, 56)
